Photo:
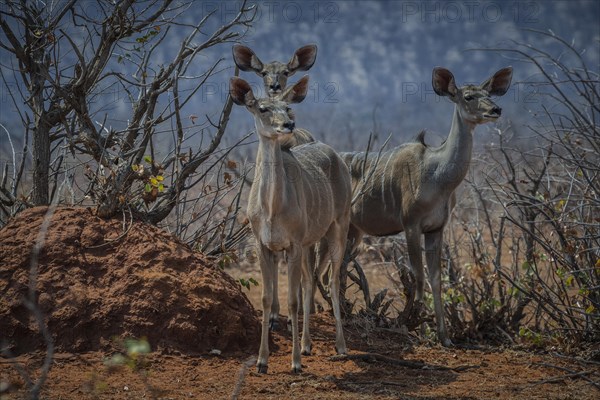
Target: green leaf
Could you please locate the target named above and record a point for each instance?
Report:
(148, 159)
(590, 309)
(253, 281)
(148, 187)
(583, 292)
(523, 332)
(569, 280)
(161, 187)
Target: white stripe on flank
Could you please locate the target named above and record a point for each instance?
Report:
(392, 189)
(383, 181)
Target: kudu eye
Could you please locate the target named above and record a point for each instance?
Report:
(263, 109)
(469, 97)
(285, 73)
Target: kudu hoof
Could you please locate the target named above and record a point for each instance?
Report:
(296, 370)
(306, 352)
(262, 369)
(274, 324)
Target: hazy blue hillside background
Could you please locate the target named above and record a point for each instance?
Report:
(380, 54)
(376, 57)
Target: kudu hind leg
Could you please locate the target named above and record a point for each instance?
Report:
(295, 261)
(336, 238)
(320, 254)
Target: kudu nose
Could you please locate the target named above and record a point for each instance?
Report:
(289, 125)
(497, 110)
(276, 86)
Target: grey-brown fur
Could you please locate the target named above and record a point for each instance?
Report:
(412, 187)
(299, 197)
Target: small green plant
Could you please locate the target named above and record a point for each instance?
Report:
(153, 182)
(133, 355)
(454, 296)
(226, 260)
(531, 337)
(246, 282)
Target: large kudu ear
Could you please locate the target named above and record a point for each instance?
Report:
(246, 60)
(443, 82)
(499, 83)
(241, 92)
(303, 59)
(296, 93)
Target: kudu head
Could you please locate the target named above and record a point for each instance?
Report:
(474, 102)
(273, 117)
(275, 74)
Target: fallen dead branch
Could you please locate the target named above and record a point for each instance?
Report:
(562, 378)
(570, 374)
(374, 357)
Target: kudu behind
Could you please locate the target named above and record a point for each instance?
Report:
(275, 77)
(412, 187)
(275, 74)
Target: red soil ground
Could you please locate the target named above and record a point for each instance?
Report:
(104, 279)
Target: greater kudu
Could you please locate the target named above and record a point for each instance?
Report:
(299, 196)
(275, 75)
(412, 187)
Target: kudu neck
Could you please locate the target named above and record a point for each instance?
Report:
(456, 151)
(270, 175)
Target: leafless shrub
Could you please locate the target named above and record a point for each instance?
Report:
(534, 239)
(71, 62)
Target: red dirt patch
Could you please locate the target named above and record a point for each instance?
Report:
(465, 374)
(104, 278)
(95, 284)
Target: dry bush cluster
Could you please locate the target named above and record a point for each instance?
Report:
(104, 101)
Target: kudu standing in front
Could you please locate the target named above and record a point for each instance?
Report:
(412, 188)
(299, 196)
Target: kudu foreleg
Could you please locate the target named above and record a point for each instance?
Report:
(307, 289)
(433, 253)
(295, 261)
(269, 275)
(415, 256)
